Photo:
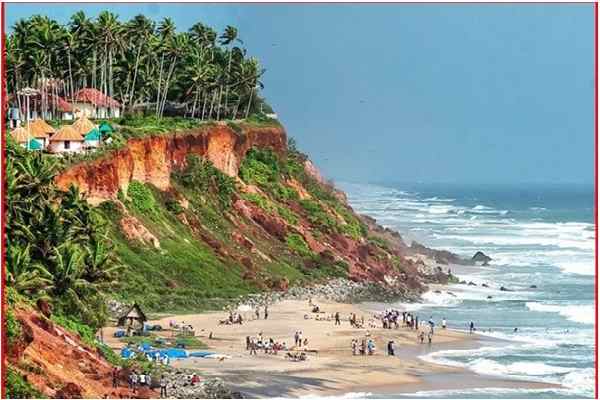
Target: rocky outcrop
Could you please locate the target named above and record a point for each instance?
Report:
(480, 257)
(59, 364)
(152, 159)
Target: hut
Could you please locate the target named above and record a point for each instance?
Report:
(20, 136)
(93, 103)
(134, 318)
(105, 129)
(41, 131)
(66, 140)
(83, 125)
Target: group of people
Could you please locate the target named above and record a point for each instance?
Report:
(253, 344)
(365, 347)
(134, 380)
(298, 341)
(355, 323)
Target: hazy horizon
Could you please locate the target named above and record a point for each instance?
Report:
(463, 93)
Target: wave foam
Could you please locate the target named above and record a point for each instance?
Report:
(583, 314)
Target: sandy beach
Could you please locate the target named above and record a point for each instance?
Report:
(333, 370)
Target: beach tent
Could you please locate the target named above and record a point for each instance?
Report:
(66, 140)
(92, 138)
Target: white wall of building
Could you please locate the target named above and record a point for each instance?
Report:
(59, 146)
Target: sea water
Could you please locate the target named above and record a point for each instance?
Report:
(540, 235)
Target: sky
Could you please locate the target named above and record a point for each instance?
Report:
(433, 93)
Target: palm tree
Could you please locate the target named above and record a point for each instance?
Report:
(228, 37)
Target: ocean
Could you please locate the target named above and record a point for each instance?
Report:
(541, 235)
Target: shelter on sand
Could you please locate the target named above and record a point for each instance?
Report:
(134, 318)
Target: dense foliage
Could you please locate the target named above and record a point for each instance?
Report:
(144, 65)
(57, 246)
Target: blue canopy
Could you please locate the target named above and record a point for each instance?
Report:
(34, 145)
(94, 134)
(105, 128)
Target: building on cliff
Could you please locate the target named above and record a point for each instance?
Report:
(20, 136)
(66, 140)
(92, 103)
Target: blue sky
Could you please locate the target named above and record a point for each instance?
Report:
(465, 93)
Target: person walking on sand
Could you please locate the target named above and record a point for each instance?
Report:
(257, 313)
(471, 327)
(429, 337)
(421, 336)
(390, 348)
(296, 338)
(444, 323)
(354, 347)
(163, 387)
(337, 318)
(416, 322)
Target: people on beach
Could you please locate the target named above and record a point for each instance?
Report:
(257, 313)
(421, 336)
(390, 348)
(163, 386)
(371, 347)
(471, 327)
(430, 337)
(354, 345)
(444, 323)
(266, 312)
(337, 318)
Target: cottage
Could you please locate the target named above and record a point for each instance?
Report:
(20, 136)
(41, 131)
(92, 103)
(134, 318)
(66, 140)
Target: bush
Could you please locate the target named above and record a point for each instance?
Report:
(318, 216)
(260, 167)
(297, 244)
(200, 174)
(141, 197)
(13, 326)
(18, 388)
(85, 332)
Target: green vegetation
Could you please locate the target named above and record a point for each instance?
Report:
(148, 67)
(58, 247)
(17, 387)
(297, 244)
(200, 174)
(85, 332)
(141, 197)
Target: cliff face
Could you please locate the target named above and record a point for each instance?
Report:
(151, 160)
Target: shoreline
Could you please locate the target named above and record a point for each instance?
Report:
(333, 371)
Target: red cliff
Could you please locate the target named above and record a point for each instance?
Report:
(152, 159)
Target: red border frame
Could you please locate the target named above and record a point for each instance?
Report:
(3, 163)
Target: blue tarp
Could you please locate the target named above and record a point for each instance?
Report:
(119, 334)
(126, 352)
(201, 353)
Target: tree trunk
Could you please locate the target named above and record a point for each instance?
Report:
(219, 104)
(249, 102)
(169, 75)
(70, 73)
(203, 105)
(159, 83)
(135, 70)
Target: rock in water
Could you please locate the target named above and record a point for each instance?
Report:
(481, 257)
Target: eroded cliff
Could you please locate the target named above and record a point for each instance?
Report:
(153, 159)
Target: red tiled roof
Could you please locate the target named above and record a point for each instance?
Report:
(96, 97)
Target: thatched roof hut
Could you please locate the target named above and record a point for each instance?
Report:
(134, 317)
(67, 133)
(40, 129)
(19, 135)
(83, 125)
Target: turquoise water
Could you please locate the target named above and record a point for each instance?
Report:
(536, 235)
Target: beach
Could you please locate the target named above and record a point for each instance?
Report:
(333, 370)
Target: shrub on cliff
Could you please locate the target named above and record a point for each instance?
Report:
(200, 174)
(17, 387)
(297, 243)
(141, 197)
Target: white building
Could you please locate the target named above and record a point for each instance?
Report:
(92, 103)
(66, 140)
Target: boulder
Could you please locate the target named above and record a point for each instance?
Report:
(480, 257)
